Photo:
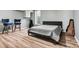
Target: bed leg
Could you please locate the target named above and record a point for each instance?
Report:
(29, 33)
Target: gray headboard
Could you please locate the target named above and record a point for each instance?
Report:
(59, 23)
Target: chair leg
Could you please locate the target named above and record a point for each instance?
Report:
(19, 27)
(7, 28)
(3, 30)
(14, 27)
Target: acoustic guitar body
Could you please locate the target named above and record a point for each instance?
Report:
(70, 28)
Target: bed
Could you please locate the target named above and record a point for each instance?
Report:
(50, 29)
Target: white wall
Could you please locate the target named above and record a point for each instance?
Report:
(28, 13)
(56, 15)
(11, 14)
(25, 22)
(76, 20)
(37, 16)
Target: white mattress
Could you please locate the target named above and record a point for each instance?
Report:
(47, 30)
(45, 27)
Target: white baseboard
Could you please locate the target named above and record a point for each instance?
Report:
(77, 40)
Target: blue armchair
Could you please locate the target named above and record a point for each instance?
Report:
(17, 22)
(7, 25)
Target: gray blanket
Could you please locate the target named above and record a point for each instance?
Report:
(47, 30)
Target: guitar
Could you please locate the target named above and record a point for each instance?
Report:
(70, 28)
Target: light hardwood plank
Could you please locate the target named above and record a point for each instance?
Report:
(20, 39)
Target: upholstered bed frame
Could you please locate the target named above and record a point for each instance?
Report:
(58, 23)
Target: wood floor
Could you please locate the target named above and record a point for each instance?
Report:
(20, 39)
